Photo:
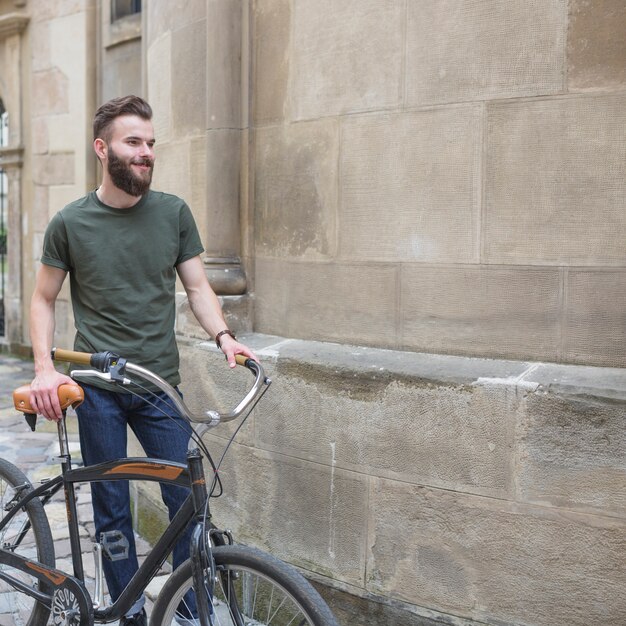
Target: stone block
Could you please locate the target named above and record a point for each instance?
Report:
(482, 311)
(380, 423)
(272, 55)
(300, 300)
(495, 561)
(594, 330)
(173, 15)
(310, 515)
(39, 214)
(348, 56)
(40, 53)
(59, 196)
(39, 135)
(61, 132)
(189, 79)
(571, 453)
(54, 169)
(296, 189)
(555, 181)
(50, 89)
(410, 186)
(224, 54)
(45, 10)
(596, 46)
(466, 50)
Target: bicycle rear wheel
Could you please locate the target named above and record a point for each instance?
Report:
(252, 589)
(27, 534)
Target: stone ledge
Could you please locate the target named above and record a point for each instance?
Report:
(605, 383)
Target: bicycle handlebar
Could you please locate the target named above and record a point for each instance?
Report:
(111, 369)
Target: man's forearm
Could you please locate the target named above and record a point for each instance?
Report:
(42, 321)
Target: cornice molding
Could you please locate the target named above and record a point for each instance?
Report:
(11, 157)
(12, 24)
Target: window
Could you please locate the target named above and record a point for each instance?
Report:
(122, 8)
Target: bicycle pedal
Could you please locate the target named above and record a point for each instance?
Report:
(114, 544)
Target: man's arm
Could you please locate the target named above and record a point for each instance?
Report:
(44, 396)
(206, 307)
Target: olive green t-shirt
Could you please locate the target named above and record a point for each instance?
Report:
(122, 267)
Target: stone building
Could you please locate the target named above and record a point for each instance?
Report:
(415, 211)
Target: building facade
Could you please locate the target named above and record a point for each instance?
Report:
(415, 211)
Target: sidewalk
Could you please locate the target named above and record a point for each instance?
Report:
(35, 453)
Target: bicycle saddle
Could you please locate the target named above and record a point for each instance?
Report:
(69, 395)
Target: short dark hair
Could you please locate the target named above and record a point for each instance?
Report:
(126, 105)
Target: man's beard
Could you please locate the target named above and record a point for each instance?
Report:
(125, 179)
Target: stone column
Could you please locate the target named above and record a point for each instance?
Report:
(227, 121)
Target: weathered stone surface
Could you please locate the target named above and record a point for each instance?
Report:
(50, 92)
(189, 86)
(450, 437)
(159, 70)
(594, 329)
(53, 169)
(571, 453)
(296, 189)
(39, 135)
(596, 46)
(272, 53)
(410, 186)
(495, 561)
(556, 177)
(347, 56)
(40, 53)
(473, 310)
(295, 300)
(467, 50)
(310, 515)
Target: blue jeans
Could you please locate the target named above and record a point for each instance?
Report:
(103, 419)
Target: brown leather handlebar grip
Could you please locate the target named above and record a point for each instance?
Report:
(83, 358)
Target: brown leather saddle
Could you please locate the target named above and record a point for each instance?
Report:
(69, 395)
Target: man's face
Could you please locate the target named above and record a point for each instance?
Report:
(130, 154)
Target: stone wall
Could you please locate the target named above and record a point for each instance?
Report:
(442, 176)
(423, 489)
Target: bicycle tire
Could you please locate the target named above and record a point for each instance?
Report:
(37, 543)
(253, 588)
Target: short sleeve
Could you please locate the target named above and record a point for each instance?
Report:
(55, 245)
(190, 244)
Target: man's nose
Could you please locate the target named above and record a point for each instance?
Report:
(146, 150)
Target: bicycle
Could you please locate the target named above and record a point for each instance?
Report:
(229, 584)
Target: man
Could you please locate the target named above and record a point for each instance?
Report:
(123, 245)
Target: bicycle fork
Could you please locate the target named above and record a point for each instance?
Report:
(202, 564)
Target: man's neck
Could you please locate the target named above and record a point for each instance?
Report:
(114, 197)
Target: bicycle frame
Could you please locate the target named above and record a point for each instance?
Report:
(156, 470)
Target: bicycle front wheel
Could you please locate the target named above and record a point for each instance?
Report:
(27, 534)
(252, 589)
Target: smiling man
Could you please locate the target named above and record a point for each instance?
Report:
(123, 246)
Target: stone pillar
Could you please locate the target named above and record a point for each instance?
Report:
(227, 121)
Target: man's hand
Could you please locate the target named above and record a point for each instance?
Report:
(44, 396)
(231, 347)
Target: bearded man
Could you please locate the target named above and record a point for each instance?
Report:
(123, 246)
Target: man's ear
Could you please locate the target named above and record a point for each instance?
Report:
(100, 148)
